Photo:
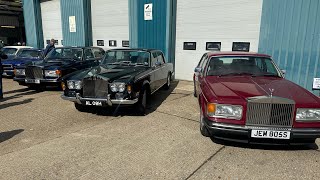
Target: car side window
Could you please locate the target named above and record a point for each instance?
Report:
(88, 54)
(97, 52)
(154, 59)
(161, 58)
(201, 61)
(204, 64)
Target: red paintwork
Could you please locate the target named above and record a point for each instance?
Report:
(235, 90)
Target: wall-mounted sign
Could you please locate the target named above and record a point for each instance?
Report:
(316, 84)
(213, 46)
(100, 42)
(241, 46)
(125, 43)
(148, 12)
(189, 46)
(72, 24)
(113, 43)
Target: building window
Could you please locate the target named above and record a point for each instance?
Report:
(213, 46)
(125, 43)
(48, 41)
(100, 42)
(241, 46)
(56, 42)
(189, 46)
(61, 42)
(113, 43)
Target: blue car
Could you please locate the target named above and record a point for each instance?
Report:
(23, 57)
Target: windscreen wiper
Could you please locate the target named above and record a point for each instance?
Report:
(236, 74)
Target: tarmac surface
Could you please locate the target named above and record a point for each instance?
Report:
(45, 137)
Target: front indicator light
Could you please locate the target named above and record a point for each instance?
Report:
(63, 86)
(211, 109)
(129, 89)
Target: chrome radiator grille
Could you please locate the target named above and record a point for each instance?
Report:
(34, 72)
(270, 112)
(95, 88)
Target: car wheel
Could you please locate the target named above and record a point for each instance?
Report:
(167, 85)
(80, 107)
(203, 129)
(142, 103)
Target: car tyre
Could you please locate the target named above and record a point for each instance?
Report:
(142, 102)
(203, 129)
(194, 89)
(167, 85)
(80, 107)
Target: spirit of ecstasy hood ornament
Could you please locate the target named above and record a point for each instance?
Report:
(271, 91)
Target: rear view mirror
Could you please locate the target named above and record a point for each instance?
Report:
(198, 69)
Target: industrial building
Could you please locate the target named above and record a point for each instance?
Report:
(289, 30)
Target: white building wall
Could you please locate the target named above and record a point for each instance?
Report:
(51, 21)
(110, 21)
(224, 21)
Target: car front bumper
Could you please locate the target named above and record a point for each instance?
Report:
(44, 82)
(106, 102)
(240, 133)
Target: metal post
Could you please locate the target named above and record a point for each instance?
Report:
(1, 91)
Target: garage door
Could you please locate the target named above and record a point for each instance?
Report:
(212, 25)
(110, 23)
(51, 21)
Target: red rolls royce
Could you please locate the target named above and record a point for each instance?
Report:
(245, 97)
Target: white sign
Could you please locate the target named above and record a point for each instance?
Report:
(72, 24)
(148, 12)
(316, 83)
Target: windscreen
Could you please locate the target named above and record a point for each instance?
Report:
(29, 54)
(65, 54)
(218, 66)
(9, 51)
(125, 57)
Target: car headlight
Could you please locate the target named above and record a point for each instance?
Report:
(74, 84)
(224, 111)
(304, 114)
(52, 73)
(117, 87)
(20, 72)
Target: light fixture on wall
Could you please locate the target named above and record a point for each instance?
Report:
(11, 27)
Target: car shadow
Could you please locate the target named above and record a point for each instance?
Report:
(16, 91)
(279, 147)
(24, 93)
(154, 101)
(4, 136)
(6, 105)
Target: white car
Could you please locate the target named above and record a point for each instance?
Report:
(12, 51)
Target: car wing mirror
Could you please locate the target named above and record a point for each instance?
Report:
(198, 70)
(4, 56)
(283, 71)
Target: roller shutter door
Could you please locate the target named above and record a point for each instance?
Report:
(224, 21)
(110, 22)
(51, 21)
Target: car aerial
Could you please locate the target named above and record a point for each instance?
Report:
(23, 56)
(58, 63)
(12, 51)
(245, 97)
(124, 77)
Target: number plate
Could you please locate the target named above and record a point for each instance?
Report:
(93, 103)
(34, 81)
(270, 134)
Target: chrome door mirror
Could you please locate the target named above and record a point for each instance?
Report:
(283, 71)
(198, 70)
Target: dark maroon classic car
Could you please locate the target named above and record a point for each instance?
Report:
(244, 97)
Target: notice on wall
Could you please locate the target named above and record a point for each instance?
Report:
(148, 12)
(72, 24)
(316, 84)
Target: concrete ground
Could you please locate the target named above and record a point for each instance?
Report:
(44, 137)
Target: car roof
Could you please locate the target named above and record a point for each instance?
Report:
(82, 47)
(236, 53)
(133, 49)
(18, 47)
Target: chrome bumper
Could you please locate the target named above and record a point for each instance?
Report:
(108, 101)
